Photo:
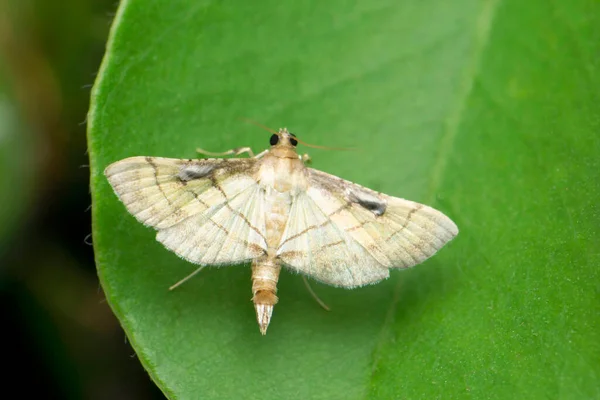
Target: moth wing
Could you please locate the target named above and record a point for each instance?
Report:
(347, 235)
(313, 244)
(206, 211)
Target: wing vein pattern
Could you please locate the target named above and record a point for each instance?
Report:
(209, 212)
(354, 235)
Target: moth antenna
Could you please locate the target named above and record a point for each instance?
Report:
(248, 120)
(316, 146)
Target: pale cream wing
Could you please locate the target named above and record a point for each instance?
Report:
(366, 233)
(206, 211)
(313, 244)
(231, 233)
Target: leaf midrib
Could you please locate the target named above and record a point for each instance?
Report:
(481, 35)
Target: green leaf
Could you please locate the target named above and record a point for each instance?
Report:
(486, 110)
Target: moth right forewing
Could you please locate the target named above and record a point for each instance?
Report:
(231, 233)
(206, 211)
(161, 192)
(145, 185)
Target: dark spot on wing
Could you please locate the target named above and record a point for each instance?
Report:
(368, 201)
(195, 171)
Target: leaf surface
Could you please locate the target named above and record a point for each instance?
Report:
(486, 110)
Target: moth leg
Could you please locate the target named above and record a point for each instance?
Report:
(314, 295)
(190, 276)
(262, 153)
(236, 152)
(305, 158)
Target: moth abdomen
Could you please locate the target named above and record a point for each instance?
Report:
(265, 274)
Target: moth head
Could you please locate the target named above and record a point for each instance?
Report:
(283, 138)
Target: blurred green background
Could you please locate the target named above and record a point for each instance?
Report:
(59, 334)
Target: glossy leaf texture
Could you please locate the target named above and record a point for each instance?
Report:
(487, 110)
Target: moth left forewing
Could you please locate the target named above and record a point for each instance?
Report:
(410, 232)
(397, 233)
(313, 244)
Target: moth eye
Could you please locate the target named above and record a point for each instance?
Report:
(274, 140)
(293, 141)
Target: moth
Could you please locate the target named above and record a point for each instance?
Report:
(271, 210)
